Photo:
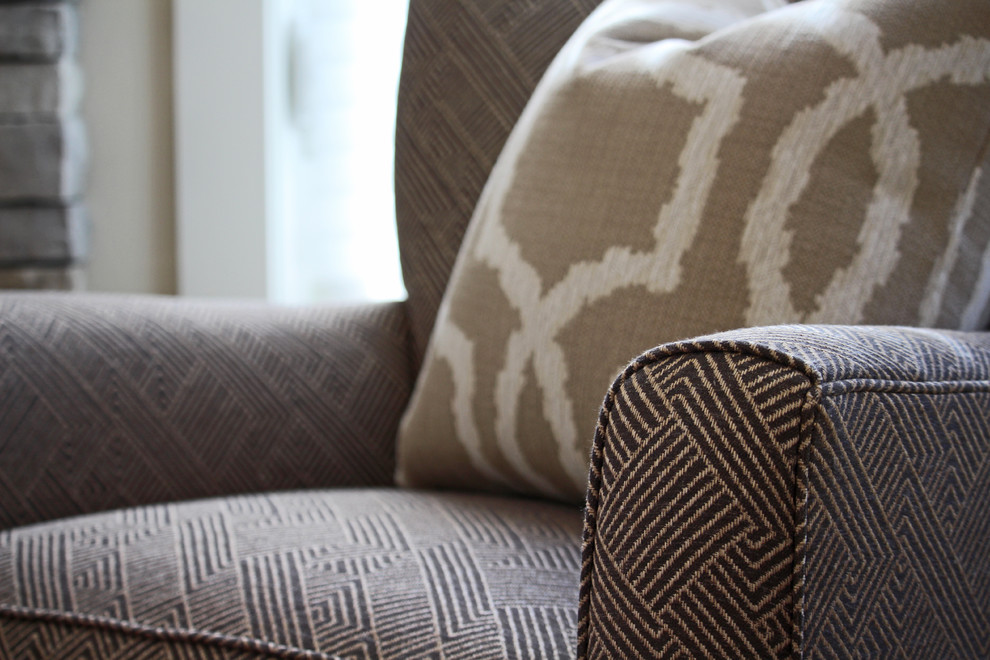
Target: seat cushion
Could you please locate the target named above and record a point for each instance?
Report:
(349, 573)
(691, 166)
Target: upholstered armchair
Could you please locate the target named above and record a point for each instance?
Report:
(773, 206)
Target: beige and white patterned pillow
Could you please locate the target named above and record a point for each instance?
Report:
(695, 166)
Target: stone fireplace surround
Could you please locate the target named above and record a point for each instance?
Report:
(43, 222)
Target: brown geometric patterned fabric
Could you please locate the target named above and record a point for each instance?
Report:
(113, 401)
(693, 550)
(468, 69)
(345, 573)
(820, 491)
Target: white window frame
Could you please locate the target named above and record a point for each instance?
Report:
(228, 60)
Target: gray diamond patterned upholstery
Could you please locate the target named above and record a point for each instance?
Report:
(805, 491)
(353, 573)
(115, 401)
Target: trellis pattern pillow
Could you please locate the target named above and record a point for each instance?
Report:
(695, 166)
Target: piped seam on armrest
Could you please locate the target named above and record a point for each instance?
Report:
(880, 386)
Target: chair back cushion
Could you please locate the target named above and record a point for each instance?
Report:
(692, 166)
(468, 68)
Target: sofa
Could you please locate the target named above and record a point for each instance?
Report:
(781, 209)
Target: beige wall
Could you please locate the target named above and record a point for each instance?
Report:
(125, 51)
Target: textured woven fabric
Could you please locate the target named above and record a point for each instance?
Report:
(119, 401)
(350, 574)
(468, 69)
(820, 491)
(818, 163)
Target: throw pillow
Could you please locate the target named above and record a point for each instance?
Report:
(696, 166)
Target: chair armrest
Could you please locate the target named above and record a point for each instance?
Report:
(778, 491)
(113, 401)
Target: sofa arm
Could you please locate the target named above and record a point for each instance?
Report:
(113, 401)
(793, 490)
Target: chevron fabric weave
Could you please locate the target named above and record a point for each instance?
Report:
(119, 401)
(695, 166)
(468, 68)
(349, 574)
(819, 491)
